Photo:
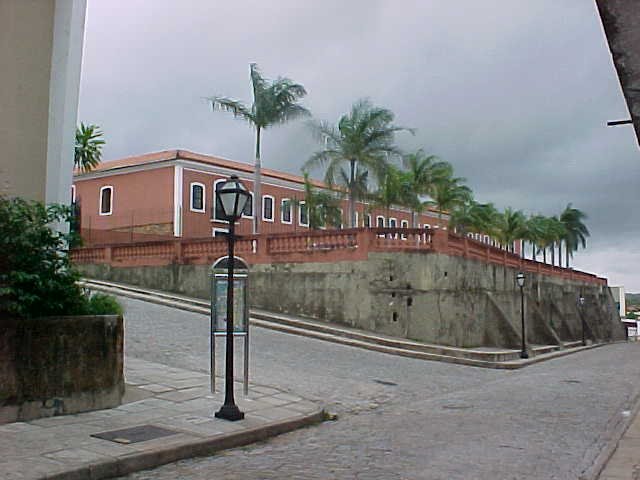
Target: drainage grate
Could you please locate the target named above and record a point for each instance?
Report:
(135, 434)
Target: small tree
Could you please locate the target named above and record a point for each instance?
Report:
(36, 277)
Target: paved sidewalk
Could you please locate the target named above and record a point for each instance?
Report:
(173, 399)
(624, 464)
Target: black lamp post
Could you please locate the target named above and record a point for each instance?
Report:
(233, 198)
(581, 303)
(520, 280)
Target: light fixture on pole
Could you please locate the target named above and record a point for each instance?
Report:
(520, 277)
(581, 303)
(233, 197)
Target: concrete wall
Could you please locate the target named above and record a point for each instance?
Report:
(60, 365)
(433, 298)
(40, 54)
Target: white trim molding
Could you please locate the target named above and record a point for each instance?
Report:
(177, 201)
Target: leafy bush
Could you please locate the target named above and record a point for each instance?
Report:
(36, 277)
(101, 304)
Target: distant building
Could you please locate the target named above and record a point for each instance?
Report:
(172, 193)
(618, 298)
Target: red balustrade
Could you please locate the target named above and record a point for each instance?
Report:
(318, 246)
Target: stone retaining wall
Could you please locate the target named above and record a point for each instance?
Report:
(434, 298)
(60, 365)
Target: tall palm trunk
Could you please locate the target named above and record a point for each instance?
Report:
(257, 182)
(533, 251)
(560, 253)
(352, 199)
(414, 217)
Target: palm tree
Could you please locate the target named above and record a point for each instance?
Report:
(551, 231)
(323, 208)
(534, 233)
(390, 189)
(359, 186)
(88, 151)
(510, 226)
(474, 217)
(422, 172)
(362, 140)
(274, 103)
(449, 192)
(576, 232)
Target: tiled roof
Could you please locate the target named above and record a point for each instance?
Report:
(167, 155)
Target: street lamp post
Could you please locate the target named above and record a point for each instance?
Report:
(233, 198)
(581, 303)
(520, 280)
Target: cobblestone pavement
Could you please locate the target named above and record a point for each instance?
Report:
(403, 418)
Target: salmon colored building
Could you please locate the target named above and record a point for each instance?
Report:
(172, 194)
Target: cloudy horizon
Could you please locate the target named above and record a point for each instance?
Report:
(515, 94)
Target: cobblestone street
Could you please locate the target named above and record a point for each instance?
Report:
(400, 417)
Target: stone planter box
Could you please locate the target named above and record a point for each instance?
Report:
(60, 365)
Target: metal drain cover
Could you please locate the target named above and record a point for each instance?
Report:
(135, 434)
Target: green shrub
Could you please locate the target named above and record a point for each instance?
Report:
(101, 304)
(36, 277)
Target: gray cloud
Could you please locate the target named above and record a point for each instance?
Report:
(514, 93)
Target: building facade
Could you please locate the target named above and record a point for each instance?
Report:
(172, 193)
(41, 54)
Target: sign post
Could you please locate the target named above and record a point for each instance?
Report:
(219, 311)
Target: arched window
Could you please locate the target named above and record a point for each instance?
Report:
(197, 197)
(380, 221)
(106, 200)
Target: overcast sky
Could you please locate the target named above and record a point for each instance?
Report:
(514, 93)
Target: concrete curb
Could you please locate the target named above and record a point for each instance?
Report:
(151, 459)
(349, 338)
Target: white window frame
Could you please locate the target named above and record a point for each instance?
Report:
(487, 240)
(273, 208)
(253, 207)
(404, 223)
(106, 187)
(204, 197)
(369, 217)
(394, 220)
(426, 226)
(215, 230)
(357, 219)
(301, 205)
(73, 194)
(282, 220)
(378, 217)
(215, 195)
